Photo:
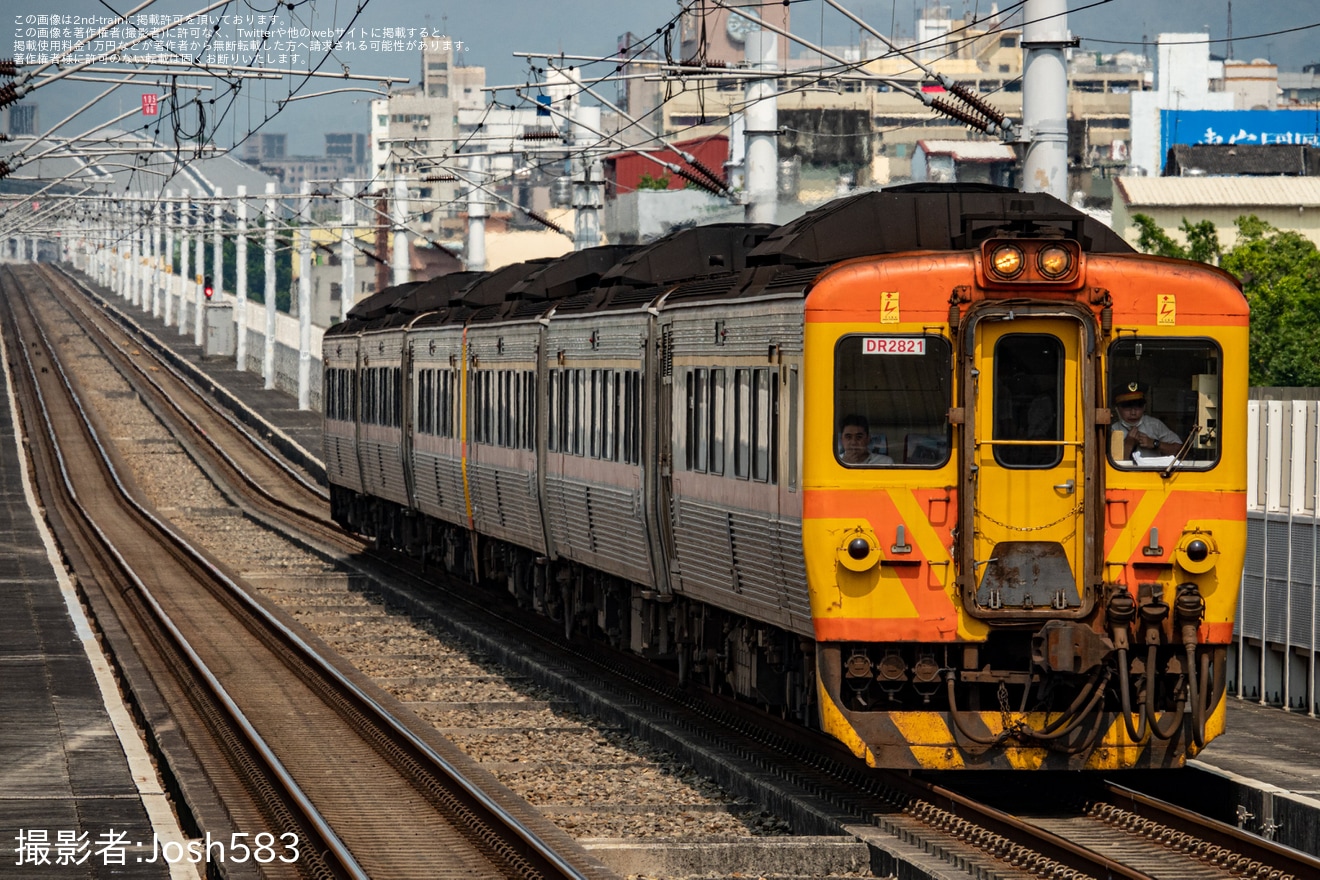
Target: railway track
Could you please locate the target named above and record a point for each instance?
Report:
(296, 751)
(792, 773)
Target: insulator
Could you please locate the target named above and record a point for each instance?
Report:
(546, 222)
(977, 103)
(701, 167)
(439, 178)
(697, 181)
(542, 134)
(4, 169)
(960, 114)
(8, 68)
(712, 63)
(8, 94)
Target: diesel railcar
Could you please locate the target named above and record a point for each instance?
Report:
(644, 444)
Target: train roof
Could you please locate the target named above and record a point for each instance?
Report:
(377, 307)
(737, 259)
(719, 250)
(926, 216)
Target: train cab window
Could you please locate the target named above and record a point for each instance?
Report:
(1166, 391)
(901, 387)
(1027, 395)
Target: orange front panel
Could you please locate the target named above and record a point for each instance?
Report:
(895, 595)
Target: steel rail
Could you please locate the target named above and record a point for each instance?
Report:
(254, 739)
(311, 657)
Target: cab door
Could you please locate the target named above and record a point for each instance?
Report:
(1030, 378)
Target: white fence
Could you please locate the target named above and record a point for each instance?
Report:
(1278, 629)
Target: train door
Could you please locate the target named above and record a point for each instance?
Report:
(664, 440)
(407, 392)
(1032, 388)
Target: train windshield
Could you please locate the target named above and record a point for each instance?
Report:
(891, 401)
(1028, 400)
(1164, 394)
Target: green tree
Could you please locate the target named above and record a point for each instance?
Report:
(1202, 240)
(649, 182)
(256, 263)
(1280, 274)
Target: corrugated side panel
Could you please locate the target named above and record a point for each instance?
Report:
(1303, 534)
(1276, 580)
(739, 561)
(341, 466)
(600, 526)
(504, 505)
(439, 487)
(797, 600)
(1249, 622)
(382, 472)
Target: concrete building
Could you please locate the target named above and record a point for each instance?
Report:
(1182, 82)
(1258, 160)
(1291, 203)
(1253, 84)
(724, 31)
(345, 156)
(868, 131)
(1300, 89)
(964, 162)
(21, 119)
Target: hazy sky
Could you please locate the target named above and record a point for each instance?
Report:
(492, 30)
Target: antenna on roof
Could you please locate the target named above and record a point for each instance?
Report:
(1230, 30)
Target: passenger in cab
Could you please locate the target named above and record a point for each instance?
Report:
(1140, 432)
(855, 442)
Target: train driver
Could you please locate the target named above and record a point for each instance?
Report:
(855, 441)
(1140, 431)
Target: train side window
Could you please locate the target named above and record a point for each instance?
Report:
(437, 402)
(793, 416)
(632, 417)
(396, 412)
(552, 418)
(579, 411)
(902, 386)
(606, 415)
(715, 423)
(765, 421)
(445, 404)
(529, 410)
(1179, 386)
(508, 408)
(697, 450)
(423, 404)
(742, 423)
(489, 404)
(367, 378)
(594, 414)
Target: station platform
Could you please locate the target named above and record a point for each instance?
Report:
(79, 796)
(1263, 774)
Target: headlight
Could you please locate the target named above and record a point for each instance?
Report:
(1054, 261)
(1006, 261)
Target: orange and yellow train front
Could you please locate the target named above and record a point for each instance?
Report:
(1007, 570)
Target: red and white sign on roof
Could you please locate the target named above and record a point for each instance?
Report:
(150, 105)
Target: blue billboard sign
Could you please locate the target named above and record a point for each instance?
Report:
(1238, 127)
